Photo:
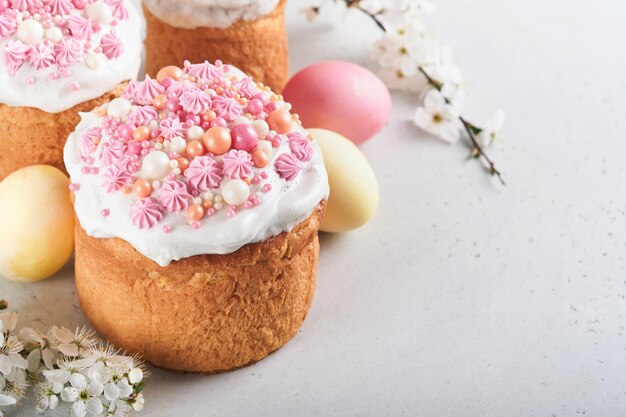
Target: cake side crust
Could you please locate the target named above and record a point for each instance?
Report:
(207, 313)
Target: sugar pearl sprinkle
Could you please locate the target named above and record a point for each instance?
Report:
(51, 36)
(193, 142)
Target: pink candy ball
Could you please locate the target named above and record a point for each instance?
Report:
(255, 106)
(80, 4)
(340, 96)
(244, 137)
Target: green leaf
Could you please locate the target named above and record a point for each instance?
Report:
(139, 387)
(474, 129)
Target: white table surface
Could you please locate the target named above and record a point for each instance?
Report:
(461, 298)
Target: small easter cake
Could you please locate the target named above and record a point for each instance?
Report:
(59, 57)
(250, 34)
(199, 199)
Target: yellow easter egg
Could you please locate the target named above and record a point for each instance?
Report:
(36, 223)
(353, 187)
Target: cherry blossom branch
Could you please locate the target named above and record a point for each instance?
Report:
(471, 129)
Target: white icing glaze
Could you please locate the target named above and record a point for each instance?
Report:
(190, 14)
(57, 95)
(287, 204)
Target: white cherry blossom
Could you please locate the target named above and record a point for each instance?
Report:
(438, 117)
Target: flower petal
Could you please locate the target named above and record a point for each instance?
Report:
(78, 381)
(69, 394)
(7, 400)
(94, 406)
(79, 409)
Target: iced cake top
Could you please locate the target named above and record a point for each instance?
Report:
(55, 54)
(200, 160)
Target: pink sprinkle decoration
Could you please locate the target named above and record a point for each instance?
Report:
(30, 81)
(267, 187)
(210, 211)
(195, 225)
(75, 86)
(74, 187)
(167, 229)
(105, 212)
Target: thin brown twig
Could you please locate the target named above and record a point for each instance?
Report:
(468, 126)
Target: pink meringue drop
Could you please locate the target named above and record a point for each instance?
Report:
(196, 102)
(68, 52)
(80, 28)
(171, 128)
(60, 7)
(145, 91)
(115, 177)
(8, 25)
(119, 10)
(204, 71)
(14, 55)
(227, 108)
(40, 56)
(300, 146)
(287, 166)
(203, 173)
(237, 164)
(146, 213)
(174, 196)
(111, 45)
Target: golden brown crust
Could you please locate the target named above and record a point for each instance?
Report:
(257, 47)
(30, 136)
(206, 313)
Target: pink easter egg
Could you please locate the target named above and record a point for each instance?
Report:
(340, 96)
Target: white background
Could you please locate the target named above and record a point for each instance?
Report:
(461, 298)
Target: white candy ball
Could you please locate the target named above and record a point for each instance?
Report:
(235, 192)
(155, 165)
(54, 34)
(265, 146)
(261, 127)
(119, 107)
(239, 120)
(30, 31)
(195, 133)
(94, 60)
(178, 145)
(100, 12)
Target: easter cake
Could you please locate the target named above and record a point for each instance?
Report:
(250, 34)
(199, 198)
(57, 58)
